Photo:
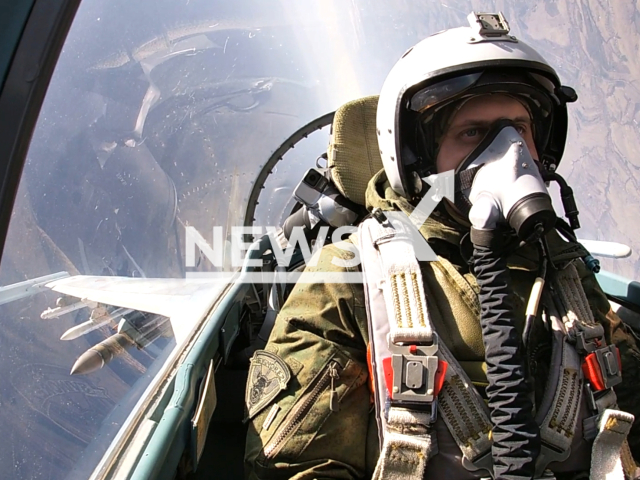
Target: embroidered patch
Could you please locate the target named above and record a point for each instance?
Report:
(268, 375)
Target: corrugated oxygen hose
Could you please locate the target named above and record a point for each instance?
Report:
(516, 436)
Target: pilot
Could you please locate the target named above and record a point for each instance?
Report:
(486, 386)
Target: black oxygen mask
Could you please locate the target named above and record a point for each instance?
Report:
(499, 184)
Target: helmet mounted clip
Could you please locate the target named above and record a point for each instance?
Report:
(489, 26)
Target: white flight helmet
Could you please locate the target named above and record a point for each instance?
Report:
(455, 64)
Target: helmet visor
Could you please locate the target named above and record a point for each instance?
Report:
(440, 92)
(538, 89)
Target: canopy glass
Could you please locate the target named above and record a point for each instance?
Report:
(160, 116)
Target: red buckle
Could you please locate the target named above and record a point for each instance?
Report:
(440, 374)
(598, 370)
(439, 380)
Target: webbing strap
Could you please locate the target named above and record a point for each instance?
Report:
(408, 445)
(403, 289)
(570, 292)
(463, 181)
(464, 412)
(559, 412)
(408, 440)
(610, 455)
(606, 463)
(631, 470)
(609, 400)
(560, 407)
(465, 178)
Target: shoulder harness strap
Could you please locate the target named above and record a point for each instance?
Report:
(408, 364)
(599, 371)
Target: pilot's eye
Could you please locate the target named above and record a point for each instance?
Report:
(524, 129)
(471, 133)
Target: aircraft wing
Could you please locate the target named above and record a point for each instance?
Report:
(606, 249)
(184, 301)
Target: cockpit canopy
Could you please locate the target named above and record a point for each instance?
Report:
(166, 124)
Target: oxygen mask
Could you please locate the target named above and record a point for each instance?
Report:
(499, 184)
(501, 188)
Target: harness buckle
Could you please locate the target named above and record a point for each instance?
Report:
(414, 375)
(601, 366)
(588, 338)
(597, 402)
(379, 215)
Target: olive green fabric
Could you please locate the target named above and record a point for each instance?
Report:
(354, 155)
(321, 322)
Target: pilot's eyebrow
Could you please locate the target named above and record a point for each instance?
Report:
(487, 123)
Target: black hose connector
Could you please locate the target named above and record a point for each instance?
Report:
(570, 207)
(568, 200)
(516, 435)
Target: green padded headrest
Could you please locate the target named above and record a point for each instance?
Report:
(354, 155)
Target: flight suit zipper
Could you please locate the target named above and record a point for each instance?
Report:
(327, 379)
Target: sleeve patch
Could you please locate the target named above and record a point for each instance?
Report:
(268, 376)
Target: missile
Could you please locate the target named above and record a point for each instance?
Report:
(99, 317)
(79, 330)
(63, 308)
(99, 355)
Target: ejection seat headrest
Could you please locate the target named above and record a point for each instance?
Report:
(354, 155)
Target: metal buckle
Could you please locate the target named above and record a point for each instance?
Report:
(597, 402)
(414, 374)
(608, 361)
(379, 215)
(591, 401)
(588, 338)
(602, 367)
(601, 364)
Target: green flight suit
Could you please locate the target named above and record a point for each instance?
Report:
(322, 328)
